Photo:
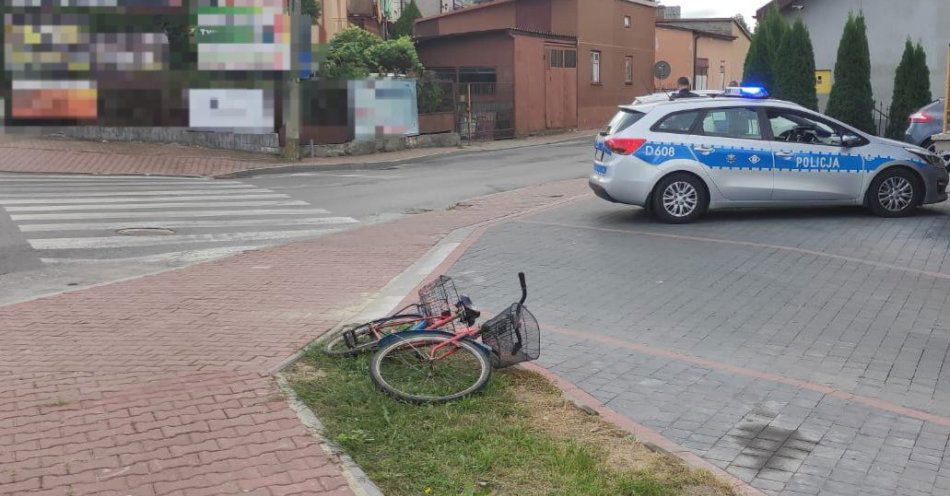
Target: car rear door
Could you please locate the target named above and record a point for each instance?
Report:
(730, 144)
(810, 162)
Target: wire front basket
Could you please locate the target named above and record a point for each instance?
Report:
(438, 299)
(513, 335)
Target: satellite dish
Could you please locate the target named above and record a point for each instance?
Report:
(662, 70)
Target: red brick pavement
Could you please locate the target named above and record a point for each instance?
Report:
(56, 155)
(160, 385)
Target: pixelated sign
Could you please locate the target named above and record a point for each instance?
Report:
(53, 99)
(46, 43)
(384, 107)
(242, 35)
(246, 111)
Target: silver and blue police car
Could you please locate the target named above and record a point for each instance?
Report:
(681, 157)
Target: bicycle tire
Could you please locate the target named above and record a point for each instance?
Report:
(385, 368)
(366, 341)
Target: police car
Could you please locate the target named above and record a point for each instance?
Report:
(681, 157)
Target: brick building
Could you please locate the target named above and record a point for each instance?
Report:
(550, 63)
(710, 52)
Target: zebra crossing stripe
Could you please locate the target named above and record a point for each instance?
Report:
(180, 224)
(165, 214)
(119, 241)
(139, 206)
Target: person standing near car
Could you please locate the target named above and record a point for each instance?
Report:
(683, 89)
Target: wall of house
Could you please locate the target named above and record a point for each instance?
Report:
(727, 53)
(333, 20)
(889, 24)
(674, 46)
(429, 7)
(600, 26)
(544, 97)
(476, 50)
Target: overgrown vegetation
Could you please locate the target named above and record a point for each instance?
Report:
(520, 437)
(355, 53)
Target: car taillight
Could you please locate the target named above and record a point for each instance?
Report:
(624, 146)
(920, 118)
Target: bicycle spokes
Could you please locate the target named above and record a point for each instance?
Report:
(417, 369)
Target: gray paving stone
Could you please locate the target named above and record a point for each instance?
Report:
(858, 328)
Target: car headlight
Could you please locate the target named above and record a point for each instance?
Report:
(926, 156)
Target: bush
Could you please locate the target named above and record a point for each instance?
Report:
(763, 57)
(403, 26)
(355, 53)
(433, 94)
(795, 75)
(397, 56)
(851, 100)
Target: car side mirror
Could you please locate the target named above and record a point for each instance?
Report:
(850, 141)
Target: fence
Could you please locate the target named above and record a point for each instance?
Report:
(485, 111)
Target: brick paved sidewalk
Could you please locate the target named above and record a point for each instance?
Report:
(58, 155)
(161, 385)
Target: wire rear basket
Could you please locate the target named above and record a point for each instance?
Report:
(438, 299)
(513, 335)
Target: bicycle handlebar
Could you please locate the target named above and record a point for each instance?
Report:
(524, 288)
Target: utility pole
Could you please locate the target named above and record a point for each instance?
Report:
(291, 90)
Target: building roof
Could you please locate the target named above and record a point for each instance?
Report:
(709, 34)
(690, 23)
(465, 10)
(517, 31)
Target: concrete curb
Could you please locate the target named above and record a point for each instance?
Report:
(357, 479)
(298, 168)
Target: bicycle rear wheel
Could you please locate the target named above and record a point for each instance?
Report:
(406, 369)
(353, 339)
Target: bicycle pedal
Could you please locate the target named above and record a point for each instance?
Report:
(349, 337)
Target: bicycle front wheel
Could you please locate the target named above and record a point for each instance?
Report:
(411, 368)
(354, 339)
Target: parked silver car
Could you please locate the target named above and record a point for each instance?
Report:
(682, 157)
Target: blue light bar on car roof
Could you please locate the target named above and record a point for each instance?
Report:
(747, 92)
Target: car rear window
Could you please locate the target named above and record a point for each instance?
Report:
(677, 122)
(624, 119)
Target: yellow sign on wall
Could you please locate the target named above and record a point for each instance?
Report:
(823, 81)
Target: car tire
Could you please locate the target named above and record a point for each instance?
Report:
(679, 198)
(895, 193)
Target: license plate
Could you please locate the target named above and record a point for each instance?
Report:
(600, 169)
(598, 155)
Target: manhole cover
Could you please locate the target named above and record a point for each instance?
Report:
(144, 231)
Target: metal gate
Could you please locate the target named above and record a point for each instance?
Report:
(485, 111)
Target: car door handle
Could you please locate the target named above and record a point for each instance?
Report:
(705, 150)
(784, 154)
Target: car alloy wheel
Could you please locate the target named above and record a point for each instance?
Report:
(896, 193)
(680, 199)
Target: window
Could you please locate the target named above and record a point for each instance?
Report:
(624, 119)
(739, 123)
(594, 67)
(702, 74)
(477, 75)
(556, 58)
(626, 21)
(679, 122)
(798, 127)
(628, 70)
(570, 58)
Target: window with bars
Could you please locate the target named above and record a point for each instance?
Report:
(628, 70)
(562, 58)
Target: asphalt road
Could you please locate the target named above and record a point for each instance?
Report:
(60, 232)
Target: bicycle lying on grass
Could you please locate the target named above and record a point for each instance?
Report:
(439, 307)
(435, 366)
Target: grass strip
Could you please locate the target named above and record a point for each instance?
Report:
(519, 437)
